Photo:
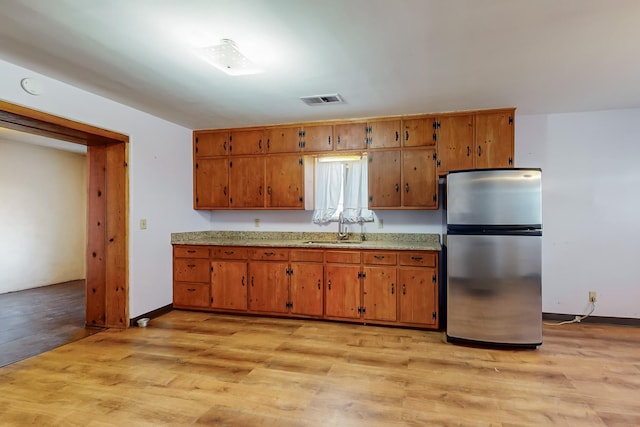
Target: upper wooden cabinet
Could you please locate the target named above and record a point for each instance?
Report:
(484, 139)
(384, 133)
(283, 139)
(494, 140)
(246, 182)
(284, 181)
(419, 132)
(211, 143)
(454, 134)
(317, 138)
(211, 183)
(246, 141)
(351, 136)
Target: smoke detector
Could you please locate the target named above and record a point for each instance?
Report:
(333, 98)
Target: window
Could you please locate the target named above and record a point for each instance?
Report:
(341, 187)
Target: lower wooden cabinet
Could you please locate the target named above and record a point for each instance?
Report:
(370, 286)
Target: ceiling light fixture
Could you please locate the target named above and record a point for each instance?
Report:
(226, 57)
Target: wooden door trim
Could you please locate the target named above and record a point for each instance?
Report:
(107, 276)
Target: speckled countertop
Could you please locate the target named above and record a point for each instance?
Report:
(391, 241)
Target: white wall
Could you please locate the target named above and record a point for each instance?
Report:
(159, 171)
(591, 207)
(42, 216)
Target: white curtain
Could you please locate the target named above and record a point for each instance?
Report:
(329, 181)
(356, 193)
(332, 187)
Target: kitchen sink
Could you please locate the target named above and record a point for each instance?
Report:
(332, 242)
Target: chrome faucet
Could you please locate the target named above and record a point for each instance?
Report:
(342, 228)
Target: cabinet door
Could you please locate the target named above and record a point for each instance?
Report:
(379, 293)
(306, 289)
(243, 142)
(317, 138)
(246, 182)
(420, 187)
(282, 139)
(211, 189)
(455, 143)
(210, 143)
(342, 296)
(418, 132)
(384, 133)
(418, 296)
(285, 181)
(494, 139)
(351, 136)
(268, 287)
(384, 179)
(229, 285)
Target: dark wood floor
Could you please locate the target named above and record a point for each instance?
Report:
(37, 320)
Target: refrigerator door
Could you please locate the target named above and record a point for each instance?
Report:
(494, 289)
(495, 197)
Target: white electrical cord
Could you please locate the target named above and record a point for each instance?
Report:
(576, 319)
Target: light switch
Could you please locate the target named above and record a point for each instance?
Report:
(143, 224)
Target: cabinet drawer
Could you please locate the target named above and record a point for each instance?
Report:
(191, 270)
(343, 257)
(191, 294)
(191, 252)
(425, 259)
(230, 252)
(379, 258)
(269, 254)
(307, 255)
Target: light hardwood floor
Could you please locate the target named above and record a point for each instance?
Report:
(191, 368)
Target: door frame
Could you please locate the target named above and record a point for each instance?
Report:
(107, 275)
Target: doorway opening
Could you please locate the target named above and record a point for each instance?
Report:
(107, 287)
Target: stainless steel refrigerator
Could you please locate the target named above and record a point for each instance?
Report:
(494, 257)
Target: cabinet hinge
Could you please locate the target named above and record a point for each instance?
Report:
(510, 120)
(197, 200)
(299, 134)
(196, 139)
(300, 199)
(434, 278)
(362, 275)
(197, 165)
(231, 164)
(438, 163)
(289, 304)
(212, 300)
(299, 144)
(435, 137)
(300, 161)
(196, 148)
(434, 157)
(370, 199)
(510, 161)
(434, 315)
(362, 310)
(212, 269)
(435, 198)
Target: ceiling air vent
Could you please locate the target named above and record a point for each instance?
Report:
(333, 98)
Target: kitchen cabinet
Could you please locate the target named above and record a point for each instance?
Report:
(342, 281)
(372, 286)
(246, 181)
(246, 141)
(403, 179)
(283, 139)
(419, 132)
(351, 136)
(379, 279)
(211, 183)
(317, 138)
(190, 276)
(306, 282)
(454, 135)
(418, 289)
(229, 278)
(483, 139)
(384, 133)
(210, 143)
(284, 181)
(494, 139)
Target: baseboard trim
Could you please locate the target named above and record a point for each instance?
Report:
(152, 314)
(604, 320)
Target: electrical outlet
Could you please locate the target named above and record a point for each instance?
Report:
(592, 296)
(256, 222)
(380, 223)
(143, 224)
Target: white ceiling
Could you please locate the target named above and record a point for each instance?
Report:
(384, 57)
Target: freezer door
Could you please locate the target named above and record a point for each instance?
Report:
(495, 197)
(494, 289)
